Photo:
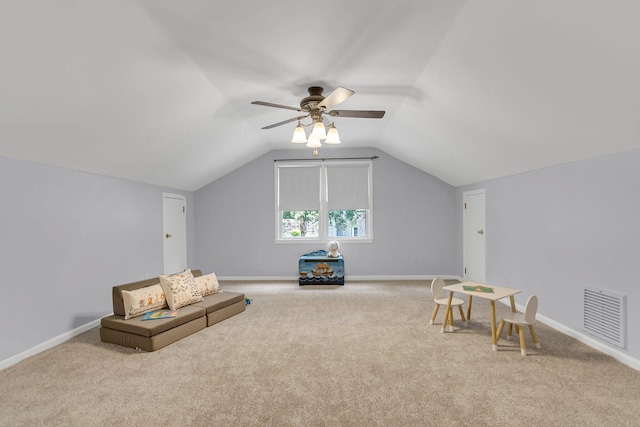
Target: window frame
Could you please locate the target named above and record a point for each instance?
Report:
(323, 212)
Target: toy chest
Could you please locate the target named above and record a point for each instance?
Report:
(316, 268)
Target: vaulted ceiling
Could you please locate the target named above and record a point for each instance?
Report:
(160, 91)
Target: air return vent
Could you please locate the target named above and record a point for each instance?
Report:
(604, 316)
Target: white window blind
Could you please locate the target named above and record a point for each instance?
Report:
(299, 188)
(348, 187)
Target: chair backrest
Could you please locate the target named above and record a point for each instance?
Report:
(530, 309)
(436, 288)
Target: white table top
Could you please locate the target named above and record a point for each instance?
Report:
(499, 292)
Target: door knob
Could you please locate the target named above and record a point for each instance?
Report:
(167, 235)
(480, 231)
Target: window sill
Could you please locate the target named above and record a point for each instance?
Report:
(322, 241)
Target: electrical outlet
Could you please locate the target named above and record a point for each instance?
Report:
(258, 261)
(506, 278)
(414, 260)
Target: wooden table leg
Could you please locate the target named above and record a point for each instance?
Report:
(469, 308)
(494, 335)
(451, 319)
(446, 313)
(513, 310)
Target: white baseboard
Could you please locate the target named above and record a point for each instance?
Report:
(585, 339)
(257, 278)
(346, 278)
(591, 342)
(428, 278)
(4, 364)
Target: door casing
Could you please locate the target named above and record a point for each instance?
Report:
(174, 233)
(474, 235)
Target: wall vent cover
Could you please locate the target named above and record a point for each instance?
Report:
(605, 316)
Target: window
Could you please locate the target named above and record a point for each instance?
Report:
(319, 202)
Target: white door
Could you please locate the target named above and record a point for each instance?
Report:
(174, 232)
(474, 235)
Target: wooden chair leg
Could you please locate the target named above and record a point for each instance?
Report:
(464, 321)
(510, 330)
(499, 332)
(435, 312)
(534, 336)
(523, 345)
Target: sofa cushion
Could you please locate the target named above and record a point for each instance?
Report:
(219, 300)
(207, 284)
(155, 342)
(140, 301)
(149, 328)
(180, 289)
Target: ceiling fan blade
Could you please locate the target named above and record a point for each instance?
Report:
(285, 122)
(269, 104)
(339, 95)
(365, 114)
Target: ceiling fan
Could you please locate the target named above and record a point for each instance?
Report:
(317, 106)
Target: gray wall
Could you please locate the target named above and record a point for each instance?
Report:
(414, 222)
(560, 229)
(66, 238)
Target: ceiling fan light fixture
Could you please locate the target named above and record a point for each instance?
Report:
(315, 106)
(314, 142)
(332, 135)
(299, 135)
(319, 130)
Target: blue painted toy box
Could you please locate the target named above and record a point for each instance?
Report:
(316, 268)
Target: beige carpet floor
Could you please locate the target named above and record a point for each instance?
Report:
(359, 355)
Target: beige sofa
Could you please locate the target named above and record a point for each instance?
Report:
(151, 335)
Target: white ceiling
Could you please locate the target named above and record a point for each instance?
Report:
(159, 91)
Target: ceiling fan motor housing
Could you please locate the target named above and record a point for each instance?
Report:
(315, 97)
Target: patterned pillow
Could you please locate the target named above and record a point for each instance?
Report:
(143, 300)
(180, 289)
(208, 284)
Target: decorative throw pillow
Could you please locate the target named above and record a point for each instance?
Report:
(207, 284)
(180, 289)
(143, 300)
